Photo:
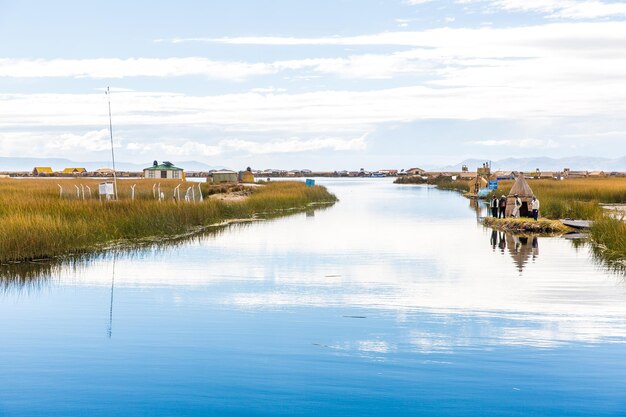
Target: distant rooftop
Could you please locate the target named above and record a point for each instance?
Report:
(164, 166)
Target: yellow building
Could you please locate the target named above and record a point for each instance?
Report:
(42, 171)
(73, 171)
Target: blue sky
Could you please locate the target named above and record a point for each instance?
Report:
(321, 85)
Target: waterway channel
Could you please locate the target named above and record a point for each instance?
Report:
(395, 301)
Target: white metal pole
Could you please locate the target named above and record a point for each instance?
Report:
(108, 93)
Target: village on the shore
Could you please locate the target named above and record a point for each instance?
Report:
(167, 170)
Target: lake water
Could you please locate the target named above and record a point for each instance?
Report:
(393, 302)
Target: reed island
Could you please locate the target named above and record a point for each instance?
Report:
(599, 201)
(49, 218)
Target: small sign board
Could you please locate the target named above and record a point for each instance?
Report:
(106, 189)
(310, 182)
(493, 184)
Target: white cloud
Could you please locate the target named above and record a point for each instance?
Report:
(546, 72)
(518, 143)
(567, 9)
(75, 144)
(295, 145)
(175, 148)
(190, 148)
(79, 145)
(581, 53)
(403, 23)
(47, 143)
(417, 2)
(133, 67)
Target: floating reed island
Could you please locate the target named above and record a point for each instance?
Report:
(527, 226)
(599, 200)
(41, 219)
(602, 201)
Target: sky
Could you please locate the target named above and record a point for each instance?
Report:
(325, 84)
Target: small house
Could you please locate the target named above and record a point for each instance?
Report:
(74, 171)
(165, 170)
(524, 192)
(104, 172)
(468, 175)
(219, 177)
(503, 175)
(42, 171)
(415, 171)
(568, 173)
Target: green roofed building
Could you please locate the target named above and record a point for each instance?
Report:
(165, 170)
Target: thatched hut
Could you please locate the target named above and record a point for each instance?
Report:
(524, 192)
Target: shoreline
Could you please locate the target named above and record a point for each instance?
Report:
(541, 226)
(129, 244)
(39, 225)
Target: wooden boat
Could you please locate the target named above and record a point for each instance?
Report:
(577, 224)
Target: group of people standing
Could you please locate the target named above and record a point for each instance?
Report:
(498, 207)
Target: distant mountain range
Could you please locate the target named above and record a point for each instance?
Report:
(16, 164)
(12, 164)
(545, 164)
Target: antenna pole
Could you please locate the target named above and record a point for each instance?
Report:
(108, 93)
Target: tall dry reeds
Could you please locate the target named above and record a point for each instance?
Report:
(36, 222)
(577, 198)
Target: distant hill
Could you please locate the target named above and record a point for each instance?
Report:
(27, 164)
(545, 164)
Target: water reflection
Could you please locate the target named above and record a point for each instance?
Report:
(521, 248)
(35, 274)
(394, 287)
(110, 328)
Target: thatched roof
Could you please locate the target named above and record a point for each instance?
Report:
(521, 187)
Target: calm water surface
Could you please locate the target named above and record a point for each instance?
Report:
(394, 302)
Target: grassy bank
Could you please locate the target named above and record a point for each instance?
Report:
(541, 226)
(442, 182)
(609, 235)
(578, 198)
(446, 183)
(36, 222)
